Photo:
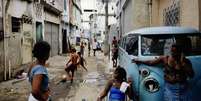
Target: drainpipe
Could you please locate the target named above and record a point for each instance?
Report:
(149, 11)
(4, 30)
(9, 70)
(5, 9)
(149, 3)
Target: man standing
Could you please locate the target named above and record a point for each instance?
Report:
(94, 45)
(89, 47)
(114, 55)
(82, 48)
(177, 69)
(114, 41)
(114, 51)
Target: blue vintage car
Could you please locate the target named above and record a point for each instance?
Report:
(150, 43)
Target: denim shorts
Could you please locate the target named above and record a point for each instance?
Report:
(177, 92)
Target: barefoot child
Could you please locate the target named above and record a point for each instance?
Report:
(71, 65)
(82, 61)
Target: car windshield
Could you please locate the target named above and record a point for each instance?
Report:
(156, 45)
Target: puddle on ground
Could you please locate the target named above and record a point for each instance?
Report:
(95, 78)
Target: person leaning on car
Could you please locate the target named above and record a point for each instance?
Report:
(177, 69)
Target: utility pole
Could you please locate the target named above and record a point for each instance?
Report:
(106, 43)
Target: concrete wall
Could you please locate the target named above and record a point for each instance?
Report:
(162, 5)
(75, 20)
(20, 5)
(128, 19)
(16, 53)
(134, 15)
(52, 17)
(189, 12)
(38, 16)
(141, 14)
(1, 60)
(199, 6)
(49, 16)
(155, 13)
(57, 4)
(18, 45)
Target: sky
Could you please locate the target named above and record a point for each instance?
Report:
(88, 4)
(94, 4)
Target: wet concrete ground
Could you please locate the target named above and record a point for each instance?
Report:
(86, 85)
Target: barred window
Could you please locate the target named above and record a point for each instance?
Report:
(172, 15)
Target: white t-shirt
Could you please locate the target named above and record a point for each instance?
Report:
(94, 45)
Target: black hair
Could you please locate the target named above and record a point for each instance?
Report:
(116, 46)
(79, 53)
(121, 73)
(178, 47)
(41, 50)
(73, 50)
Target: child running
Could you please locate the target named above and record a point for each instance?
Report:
(71, 65)
(82, 61)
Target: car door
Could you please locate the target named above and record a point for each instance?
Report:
(131, 68)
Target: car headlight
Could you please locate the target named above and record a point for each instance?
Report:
(145, 72)
(151, 85)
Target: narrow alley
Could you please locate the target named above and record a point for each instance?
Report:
(86, 86)
(146, 50)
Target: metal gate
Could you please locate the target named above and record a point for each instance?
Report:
(52, 37)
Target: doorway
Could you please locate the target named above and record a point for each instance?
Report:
(39, 31)
(64, 41)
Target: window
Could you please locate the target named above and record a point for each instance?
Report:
(132, 45)
(172, 15)
(124, 43)
(190, 44)
(15, 24)
(98, 34)
(156, 45)
(65, 7)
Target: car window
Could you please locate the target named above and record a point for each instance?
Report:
(121, 43)
(190, 44)
(155, 45)
(132, 45)
(124, 43)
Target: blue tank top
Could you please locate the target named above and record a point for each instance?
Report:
(116, 95)
(39, 69)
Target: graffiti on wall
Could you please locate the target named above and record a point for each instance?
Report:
(27, 39)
